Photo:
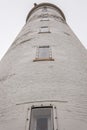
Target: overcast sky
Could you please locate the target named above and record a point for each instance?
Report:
(13, 15)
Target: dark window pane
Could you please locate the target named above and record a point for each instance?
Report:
(42, 124)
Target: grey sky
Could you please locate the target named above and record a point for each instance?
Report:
(13, 15)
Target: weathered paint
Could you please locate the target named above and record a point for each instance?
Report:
(61, 83)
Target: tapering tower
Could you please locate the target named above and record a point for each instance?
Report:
(43, 76)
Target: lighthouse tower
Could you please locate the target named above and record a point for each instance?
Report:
(43, 75)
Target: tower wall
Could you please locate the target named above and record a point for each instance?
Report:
(60, 82)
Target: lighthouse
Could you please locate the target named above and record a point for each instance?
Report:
(43, 75)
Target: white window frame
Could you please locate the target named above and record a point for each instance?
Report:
(44, 58)
(44, 29)
(54, 115)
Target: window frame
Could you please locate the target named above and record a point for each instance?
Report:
(44, 29)
(43, 104)
(42, 107)
(43, 59)
(44, 19)
(44, 16)
(44, 9)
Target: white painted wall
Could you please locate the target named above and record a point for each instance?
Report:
(62, 82)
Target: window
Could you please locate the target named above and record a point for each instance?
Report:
(41, 118)
(44, 29)
(44, 9)
(44, 17)
(44, 53)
